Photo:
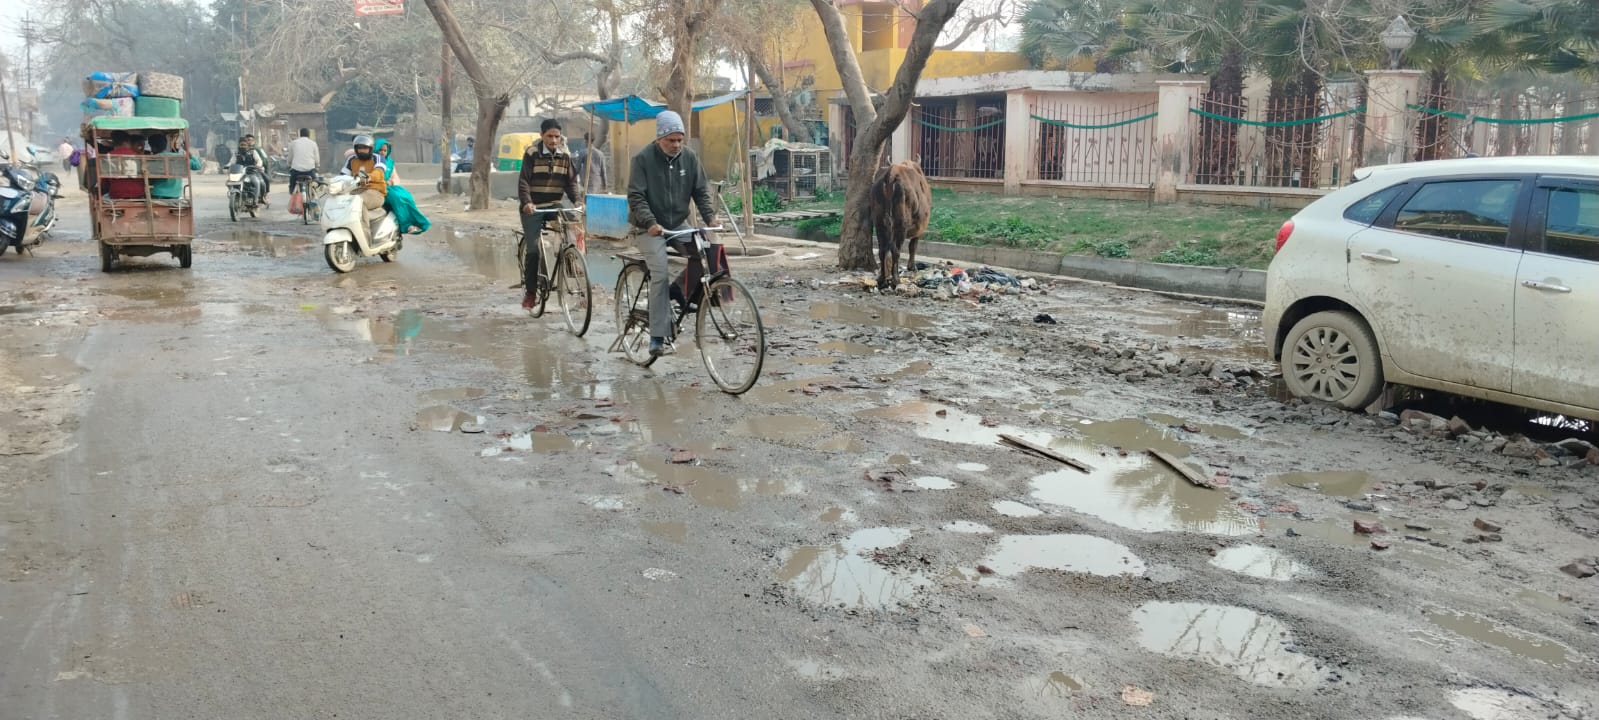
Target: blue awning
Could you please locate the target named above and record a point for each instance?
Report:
(634, 108)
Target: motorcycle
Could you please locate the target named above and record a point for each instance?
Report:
(245, 189)
(350, 231)
(27, 205)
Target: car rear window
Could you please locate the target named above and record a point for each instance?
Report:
(1476, 211)
(1366, 210)
(1571, 228)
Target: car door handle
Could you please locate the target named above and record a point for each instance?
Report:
(1375, 257)
(1546, 287)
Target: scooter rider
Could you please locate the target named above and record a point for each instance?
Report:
(377, 186)
(255, 161)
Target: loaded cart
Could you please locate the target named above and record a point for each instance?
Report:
(138, 184)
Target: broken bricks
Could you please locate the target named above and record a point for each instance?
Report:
(1486, 526)
(1364, 527)
(1580, 569)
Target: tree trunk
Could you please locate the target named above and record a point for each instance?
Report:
(797, 129)
(874, 127)
(693, 16)
(491, 105)
(1432, 133)
(1217, 163)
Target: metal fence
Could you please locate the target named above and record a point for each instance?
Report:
(1512, 123)
(956, 144)
(1305, 141)
(1081, 143)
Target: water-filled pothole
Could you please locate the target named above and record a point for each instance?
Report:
(841, 575)
(1253, 646)
(1255, 561)
(1506, 638)
(1015, 554)
(869, 316)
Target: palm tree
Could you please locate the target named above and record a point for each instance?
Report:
(1555, 36)
(1057, 32)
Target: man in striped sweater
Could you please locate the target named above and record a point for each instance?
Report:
(547, 176)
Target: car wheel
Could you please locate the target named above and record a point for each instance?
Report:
(1332, 357)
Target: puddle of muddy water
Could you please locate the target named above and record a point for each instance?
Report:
(1251, 645)
(1225, 432)
(706, 486)
(1015, 554)
(974, 467)
(952, 425)
(837, 514)
(781, 428)
(844, 444)
(933, 482)
(541, 442)
(967, 527)
(1260, 562)
(442, 418)
(493, 255)
(262, 244)
(1055, 685)
(674, 532)
(1010, 508)
(869, 316)
(848, 348)
(1508, 639)
(1348, 484)
(449, 395)
(1495, 704)
(841, 575)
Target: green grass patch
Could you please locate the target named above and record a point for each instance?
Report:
(1181, 234)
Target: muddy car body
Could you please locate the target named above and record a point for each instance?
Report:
(1478, 277)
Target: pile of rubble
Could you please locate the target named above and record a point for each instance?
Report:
(948, 282)
(1571, 451)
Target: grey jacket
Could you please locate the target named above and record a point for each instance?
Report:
(659, 189)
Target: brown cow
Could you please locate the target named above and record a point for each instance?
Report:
(901, 202)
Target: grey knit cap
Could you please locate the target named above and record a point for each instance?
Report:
(668, 122)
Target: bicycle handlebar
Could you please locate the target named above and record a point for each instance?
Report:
(688, 231)
(574, 209)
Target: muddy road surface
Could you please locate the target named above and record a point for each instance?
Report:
(257, 489)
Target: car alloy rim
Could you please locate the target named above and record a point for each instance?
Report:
(1326, 364)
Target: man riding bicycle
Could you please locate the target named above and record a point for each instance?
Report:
(665, 177)
(304, 157)
(547, 176)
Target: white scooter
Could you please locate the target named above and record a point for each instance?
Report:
(349, 231)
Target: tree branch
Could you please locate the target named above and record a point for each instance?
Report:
(973, 25)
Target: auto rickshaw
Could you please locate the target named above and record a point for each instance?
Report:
(512, 147)
(140, 200)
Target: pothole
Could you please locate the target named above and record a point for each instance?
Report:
(967, 527)
(1255, 561)
(1506, 638)
(872, 316)
(841, 575)
(781, 428)
(1011, 508)
(1253, 646)
(1015, 554)
(933, 482)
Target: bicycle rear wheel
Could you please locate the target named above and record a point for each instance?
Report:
(574, 291)
(730, 335)
(633, 314)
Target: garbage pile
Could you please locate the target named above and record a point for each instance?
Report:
(948, 282)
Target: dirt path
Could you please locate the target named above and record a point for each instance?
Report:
(244, 490)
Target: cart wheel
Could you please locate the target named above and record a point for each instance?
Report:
(108, 257)
(185, 255)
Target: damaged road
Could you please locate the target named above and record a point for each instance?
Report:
(258, 489)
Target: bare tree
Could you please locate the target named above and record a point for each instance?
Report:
(757, 33)
(983, 16)
(874, 126)
(491, 101)
(686, 22)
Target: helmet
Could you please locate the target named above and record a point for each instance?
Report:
(362, 141)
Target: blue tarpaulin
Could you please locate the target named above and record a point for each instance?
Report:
(634, 108)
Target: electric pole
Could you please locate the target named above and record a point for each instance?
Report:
(446, 123)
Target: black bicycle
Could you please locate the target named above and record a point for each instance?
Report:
(564, 271)
(727, 325)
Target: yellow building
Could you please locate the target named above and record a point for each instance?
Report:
(879, 31)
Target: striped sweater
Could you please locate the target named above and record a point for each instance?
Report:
(547, 175)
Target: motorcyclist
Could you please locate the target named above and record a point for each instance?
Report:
(255, 162)
(463, 162)
(364, 160)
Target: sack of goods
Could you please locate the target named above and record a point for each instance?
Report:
(154, 84)
(112, 107)
(157, 107)
(106, 85)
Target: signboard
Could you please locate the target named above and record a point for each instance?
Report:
(369, 8)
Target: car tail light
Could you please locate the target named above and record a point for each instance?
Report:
(1282, 235)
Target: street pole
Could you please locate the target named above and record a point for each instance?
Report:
(747, 188)
(5, 107)
(445, 120)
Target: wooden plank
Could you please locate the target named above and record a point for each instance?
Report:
(1182, 468)
(1044, 452)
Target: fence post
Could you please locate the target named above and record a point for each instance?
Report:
(1388, 122)
(1173, 134)
(1018, 140)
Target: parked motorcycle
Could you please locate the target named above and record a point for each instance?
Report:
(27, 205)
(349, 231)
(246, 187)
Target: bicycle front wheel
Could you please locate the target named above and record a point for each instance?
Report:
(575, 292)
(730, 335)
(633, 314)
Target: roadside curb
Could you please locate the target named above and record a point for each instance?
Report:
(1229, 283)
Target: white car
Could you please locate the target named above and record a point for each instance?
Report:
(1478, 277)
